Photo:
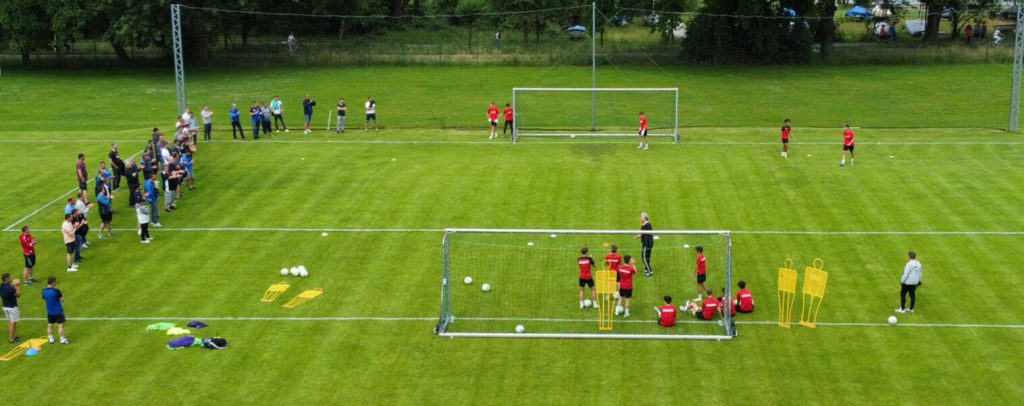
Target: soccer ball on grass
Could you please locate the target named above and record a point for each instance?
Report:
(587, 303)
(486, 287)
(520, 329)
(284, 271)
(892, 320)
(468, 280)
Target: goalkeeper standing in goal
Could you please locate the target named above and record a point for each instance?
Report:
(646, 243)
(641, 135)
(586, 264)
(492, 119)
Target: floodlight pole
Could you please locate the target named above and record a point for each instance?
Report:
(179, 60)
(1018, 69)
(593, 65)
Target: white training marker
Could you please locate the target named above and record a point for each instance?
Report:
(554, 236)
(529, 243)
(323, 234)
(656, 237)
(891, 157)
(686, 245)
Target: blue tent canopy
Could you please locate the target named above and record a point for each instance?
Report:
(578, 28)
(859, 12)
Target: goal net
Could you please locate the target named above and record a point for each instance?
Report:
(548, 112)
(533, 281)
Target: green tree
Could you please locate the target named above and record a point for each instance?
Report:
(26, 27)
(730, 31)
(135, 23)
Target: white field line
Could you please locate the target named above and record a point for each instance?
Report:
(522, 319)
(527, 141)
(441, 230)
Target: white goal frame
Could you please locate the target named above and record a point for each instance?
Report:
(516, 133)
(446, 316)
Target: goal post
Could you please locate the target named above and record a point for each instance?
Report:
(533, 281)
(605, 112)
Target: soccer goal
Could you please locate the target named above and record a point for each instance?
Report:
(607, 112)
(512, 283)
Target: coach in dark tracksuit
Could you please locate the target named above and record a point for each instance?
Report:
(647, 244)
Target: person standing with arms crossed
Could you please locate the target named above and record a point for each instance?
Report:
(207, 115)
(82, 173)
(117, 165)
(342, 111)
(54, 310)
(909, 283)
(236, 122)
(371, 113)
(646, 243)
(848, 137)
(10, 291)
(68, 230)
(28, 249)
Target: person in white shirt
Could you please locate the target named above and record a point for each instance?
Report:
(207, 116)
(371, 114)
(277, 110)
(909, 283)
(997, 37)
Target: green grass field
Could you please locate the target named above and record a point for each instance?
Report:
(934, 173)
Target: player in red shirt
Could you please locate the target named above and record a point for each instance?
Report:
(667, 313)
(744, 302)
(641, 135)
(707, 310)
(847, 144)
(509, 119)
(626, 272)
(28, 248)
(586, 264)
(613, 259)
(701, 272)
(492, 118)
(787, 131)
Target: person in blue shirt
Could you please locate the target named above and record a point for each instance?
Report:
(190, 178)
(153, 193)
(54, 310)
(236, 122)
(257, 119)
(106, 212)
(307, 110)
(70, 207)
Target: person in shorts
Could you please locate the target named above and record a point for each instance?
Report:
(54, 310)
(787, 131)
(82, 173)
(10, 291)
(307, 111)
(848, 137)
(28, 249)
(667, 313)
(706, 310)
(371, 113)
(626, 272)
(68, 230)
(586, 265)
(701, 272)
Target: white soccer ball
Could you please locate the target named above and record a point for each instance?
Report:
(529, 243)
(486, 287)
(618, 309)
(468, 280)
(554, 236)
(294, 271)
(686, 245)
(615, 295)
(303, 272)
(284, 271)
(892, 320)
(587, 303)
(302, 268)
(520, 329)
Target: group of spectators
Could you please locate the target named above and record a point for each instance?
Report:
(267, 117)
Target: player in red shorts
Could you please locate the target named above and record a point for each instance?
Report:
(586, 264)
(744, 302)
(847, 144)
(626, 272)
(641, 135)
(667, 313)
(509, 119)
(492, 117)
(701, 272)
(787, 131)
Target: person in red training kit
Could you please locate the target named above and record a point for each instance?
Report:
(586, 265)
(744, 302)
(626, 272)
(707, 310)
(492, 118)
(847, 144)
(667, 313)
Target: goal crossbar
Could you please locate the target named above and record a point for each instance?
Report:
(593, 129)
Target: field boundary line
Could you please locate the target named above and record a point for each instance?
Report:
(683, 141)
(522, 319)
(441, 230)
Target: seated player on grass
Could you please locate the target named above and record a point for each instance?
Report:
(586, 264)
(626, 273)
(744, 302)
(667, 313)
(707, 310)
